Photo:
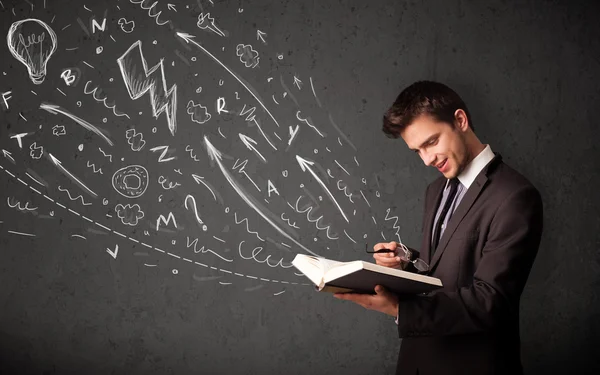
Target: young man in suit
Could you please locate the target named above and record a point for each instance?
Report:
(482, 227)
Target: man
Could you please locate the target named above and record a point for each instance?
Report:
(486, 220)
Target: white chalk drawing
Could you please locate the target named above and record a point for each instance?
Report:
(164, 150)
(293, 133)
(206, 22)
(250, 143)
(261, 36)
(113, 253)
(256, 251)
(171, 7)
(251, 117)
(395, 225)
(200, 180)
(35, 151)
(195, 209)
(216, 156)
(342, 186)
(12, 204)
(106, 155)
(18, 138)
(203, 249)
(126, 26)
(37, 180)
(135, 140)
(79, 236)
(308, 122)
(347, 235)
(131, 189)
(21, 233)
(129, 214)
(135, 241)
(73, 199)
(8, 155)
(248, 55)
(166, 184)
(54, 109)
(191, 151)
(365, 198)
(293, 225)
(317, 221)
(242, 166)
(306, 165)
(235, 219)
(189, 39)
(271, 188)
(140, 81)
(93, 166)
(5, 97)
(342, 168)
(298, 83)
(312, 86)
(166, 221)
(95, 94)
(57, 163)
(68, 77)
(198, 113)
(30, 49)
(58, 130)
(151, 9)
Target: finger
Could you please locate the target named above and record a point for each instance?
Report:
(379, 246)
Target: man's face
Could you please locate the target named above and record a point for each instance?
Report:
(439, 145)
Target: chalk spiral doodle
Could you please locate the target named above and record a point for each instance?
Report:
(128, 189)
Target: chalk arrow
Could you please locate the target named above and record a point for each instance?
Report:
(113, 253)
(306, 166)
(171, 7)
(249, 142)
(58, 165)
(54, 109)
(297, 82)
(260, 36)
(190, 39)
(8, 155)
(216, 155)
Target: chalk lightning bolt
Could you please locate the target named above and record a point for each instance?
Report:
(140, 81)
(215, 155)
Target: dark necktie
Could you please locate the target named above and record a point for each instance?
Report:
(438, 225)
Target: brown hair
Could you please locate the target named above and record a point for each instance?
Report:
(423, 98)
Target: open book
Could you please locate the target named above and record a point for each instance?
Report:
(361, 277)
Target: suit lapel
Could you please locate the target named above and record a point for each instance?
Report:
(437, 197)
(458, 215)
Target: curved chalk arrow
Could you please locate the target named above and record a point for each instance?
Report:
(215, 155)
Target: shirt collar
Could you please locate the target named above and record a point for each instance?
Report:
(468, 175)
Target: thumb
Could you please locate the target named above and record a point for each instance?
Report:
(380, 290)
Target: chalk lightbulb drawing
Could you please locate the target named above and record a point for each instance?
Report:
(32, 49)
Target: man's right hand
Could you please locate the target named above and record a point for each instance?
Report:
(394, 259)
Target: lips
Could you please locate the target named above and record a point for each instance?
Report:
(442, 165)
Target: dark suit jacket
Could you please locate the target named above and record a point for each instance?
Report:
(471, 325)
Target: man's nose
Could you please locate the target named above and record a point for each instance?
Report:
(428, 159)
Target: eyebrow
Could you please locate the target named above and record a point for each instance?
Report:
(427, 141)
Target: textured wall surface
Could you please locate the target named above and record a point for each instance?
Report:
(115, 282)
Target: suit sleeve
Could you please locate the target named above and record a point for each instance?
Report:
(493, 298)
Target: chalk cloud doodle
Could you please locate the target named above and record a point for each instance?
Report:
(248, 55)
(129, 214)
(198, 113)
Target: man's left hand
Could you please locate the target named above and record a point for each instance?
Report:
(383, 301)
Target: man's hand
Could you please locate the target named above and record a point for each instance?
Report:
(392, 260)
(383, 301)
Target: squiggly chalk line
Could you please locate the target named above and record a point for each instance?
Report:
(247, 228)
(71, 198)
(316, 221)
(156, 16)
(103, 101)
(153, 247)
